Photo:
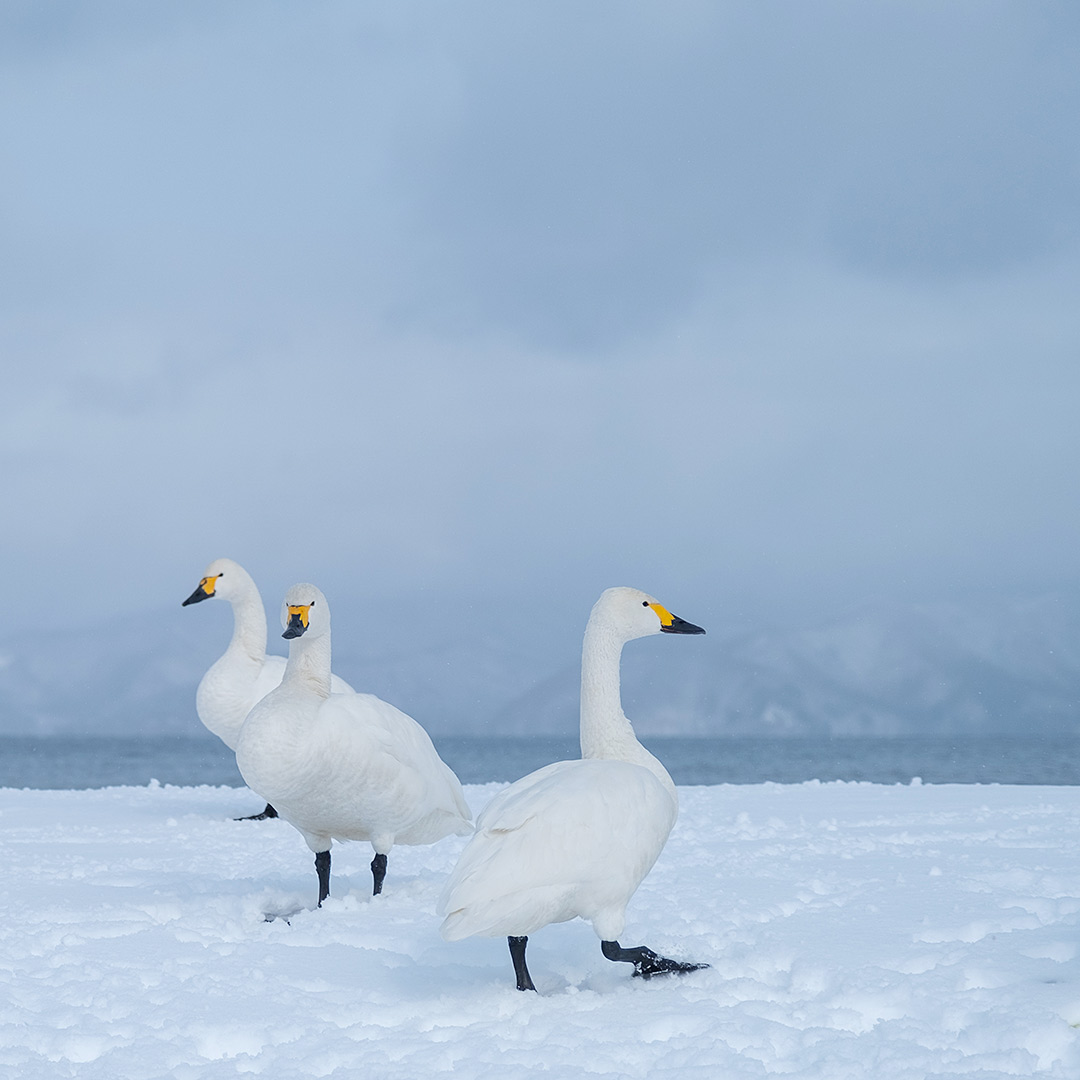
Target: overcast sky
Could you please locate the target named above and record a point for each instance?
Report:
(756, 306)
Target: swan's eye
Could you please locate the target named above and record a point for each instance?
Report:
(644, 603)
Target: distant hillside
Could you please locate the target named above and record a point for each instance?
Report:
(1001, 667)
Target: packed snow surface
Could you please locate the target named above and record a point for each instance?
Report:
(854, 930)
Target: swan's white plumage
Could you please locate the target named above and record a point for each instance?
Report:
(345, 766)
(245, 673)
(575, 838)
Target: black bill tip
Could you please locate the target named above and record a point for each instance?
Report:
(681, 626)
(199, 594)
(295, 627)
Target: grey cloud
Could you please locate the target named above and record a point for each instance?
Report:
(570, 175)
(769, 306)
(596, 178)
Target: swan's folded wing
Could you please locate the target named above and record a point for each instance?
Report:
(339, 686)
(555, 844)
(269, 677)
(398, 758)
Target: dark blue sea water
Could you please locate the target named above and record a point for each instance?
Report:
(103, 762)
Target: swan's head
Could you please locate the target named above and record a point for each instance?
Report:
(223, 578)
(632, 613)
(305, 612)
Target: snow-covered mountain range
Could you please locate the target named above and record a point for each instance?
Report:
(1000, 667)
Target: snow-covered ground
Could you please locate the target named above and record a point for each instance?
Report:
(854, 930)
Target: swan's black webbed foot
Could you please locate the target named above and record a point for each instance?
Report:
(322, 868)
(646, 962)
(269, 812)
(378, 872)
(517, 954)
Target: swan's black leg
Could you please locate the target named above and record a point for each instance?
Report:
(646, 962)
(378, 872)
(517, 954)
(269, 812)
(322, 868)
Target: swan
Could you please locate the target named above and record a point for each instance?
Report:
(576, 838)
(343, 766)
(244, 673)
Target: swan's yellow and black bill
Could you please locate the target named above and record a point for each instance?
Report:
(298, 620)
(204, 590)
(672, 624)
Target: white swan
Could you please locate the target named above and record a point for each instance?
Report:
(343, 766)
(244, 673)
(575, 838)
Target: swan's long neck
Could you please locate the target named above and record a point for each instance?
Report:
(309, 665)
(249, 624)
(605, 730)
(604, 727)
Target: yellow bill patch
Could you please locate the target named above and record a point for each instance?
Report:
(300, 610)
(209, 584)
(666, 618)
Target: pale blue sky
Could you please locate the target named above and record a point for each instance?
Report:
(755, 306)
